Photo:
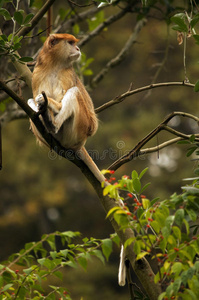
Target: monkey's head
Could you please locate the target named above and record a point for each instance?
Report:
(60, 48)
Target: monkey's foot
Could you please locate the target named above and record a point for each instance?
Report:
(32, 104)
(40, 101)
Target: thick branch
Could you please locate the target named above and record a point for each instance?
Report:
(135, 152)
(122, 97)
(36, 18)
(121, 56)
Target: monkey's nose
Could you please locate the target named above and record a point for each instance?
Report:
(77, 48)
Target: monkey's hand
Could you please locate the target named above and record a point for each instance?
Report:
(69, 106)
(40, 101)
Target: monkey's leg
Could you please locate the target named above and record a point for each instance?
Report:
(69, 107)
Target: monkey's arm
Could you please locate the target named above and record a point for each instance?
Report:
(69, 107)
(61, 110)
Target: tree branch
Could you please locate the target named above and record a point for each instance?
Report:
(159, 147)
(121, 55)
(122, 97)
(75, 18)
(135, 152)
(106, 23)
(36, 18)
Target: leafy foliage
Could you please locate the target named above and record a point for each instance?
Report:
(23, 275)
(164, 231)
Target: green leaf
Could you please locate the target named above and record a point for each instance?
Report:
(96, 20)
(88, 72)
(82, 261)
(129, 241)
(53, 254)
(145, 187)
(98, 254)
(28, 18)
(5, 14)
(145, 203)
(41, 261)
(107, 248)
(194, 21)
(28, 271)
(176, 285)
(155, 225)
(192, 138)
(6, 287)
(18, 16)
(192, 214)
(76, 29)
(137, 247)
(196, 38)
(112, 210)
(165, 232)
(58, 274)
(183, 142)
(141, 255)
(178, 19)
(162, 296)
(26, 59)
(179, 216)
(64, 252)
(143, 172)
(137, 185)
(196, 87)
(191, 151)
(134, 175)
(177, 232)
(191, 294)
(186, 226)
(177, 268)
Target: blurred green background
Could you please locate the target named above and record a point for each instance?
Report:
(41, 192)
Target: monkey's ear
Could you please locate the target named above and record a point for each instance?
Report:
(52, 41)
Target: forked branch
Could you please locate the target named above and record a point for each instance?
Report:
(136, 151)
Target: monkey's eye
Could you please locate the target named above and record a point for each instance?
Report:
(72, 43)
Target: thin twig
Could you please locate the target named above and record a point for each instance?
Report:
(67, 24)
(122, 97)
(159, 147)
(108, 22)
(81, 5)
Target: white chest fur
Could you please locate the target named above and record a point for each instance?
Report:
(52, 87)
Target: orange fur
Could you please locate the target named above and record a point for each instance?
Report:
(54, 74)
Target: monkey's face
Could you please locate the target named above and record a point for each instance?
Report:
(63, 48)
(74, 51)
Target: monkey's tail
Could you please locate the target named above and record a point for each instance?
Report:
(91, 165)
(94, 169)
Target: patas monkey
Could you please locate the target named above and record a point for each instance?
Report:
(70, 115)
